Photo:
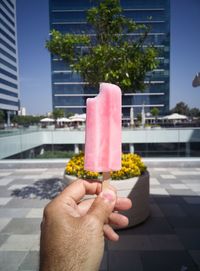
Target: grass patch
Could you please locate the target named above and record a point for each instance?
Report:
(55, 154)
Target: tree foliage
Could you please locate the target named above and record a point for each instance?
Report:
(58, 113)
(155, 111)
(2, 116)
(195, 112)
(114, 55)
(26, 120)
(181, 108)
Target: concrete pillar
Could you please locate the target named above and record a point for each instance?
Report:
(187, 149)
(131, 148)
(76, 148)
(8, 118)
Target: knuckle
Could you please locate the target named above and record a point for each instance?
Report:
(92, 221)
(48, 209)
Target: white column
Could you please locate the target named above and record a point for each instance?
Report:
(8, 118)
(187, 149)
(131, 148)
(76, 148)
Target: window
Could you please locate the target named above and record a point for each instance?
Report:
(8, 74)
(8, 55)
(5, 82)
(7, 92)
(8, 64)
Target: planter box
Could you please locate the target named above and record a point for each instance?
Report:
(137, 189)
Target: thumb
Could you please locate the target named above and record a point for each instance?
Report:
(103, 205)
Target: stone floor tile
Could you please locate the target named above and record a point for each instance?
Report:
(193, 210)
(16, 186)
(13, 212)
(124, 261)
(167, 176)
(35, 213)
(159, 169)
(5, 174)
(11, 260)
(131, 242)
(6, 180)
(155, 210)
(154, 181)
(31, 261)
(192, 200)
(195, 186)
(190, 181)
(22, 226)
(170, 199)
(19, 242)
(36, 243)
(158, 191)
(27, 203)
(184, 222)
(153, 225)
(4, 222)
(181, 192)
(3, 238)
(30, 177)
(189, 237)
(172, 210)
(165, 242)
(4, 200)
(178, 186)
(195, 254)
(169, 181)
(186, 172)
(30, 170)
(4, 192)
(27, 181)
(167, 261)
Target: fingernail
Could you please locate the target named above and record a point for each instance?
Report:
(108, 195)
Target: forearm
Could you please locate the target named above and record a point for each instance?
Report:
(72, 252)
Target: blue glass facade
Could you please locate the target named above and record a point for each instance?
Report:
(9, 87)
(68, 90)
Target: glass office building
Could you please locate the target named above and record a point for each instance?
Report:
(9, 91)
(70, 92)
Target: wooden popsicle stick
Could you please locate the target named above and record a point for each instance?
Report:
(106, 180)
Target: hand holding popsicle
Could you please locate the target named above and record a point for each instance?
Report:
(103, 131)
(72, 230)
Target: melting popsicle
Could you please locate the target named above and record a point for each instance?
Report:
(103, 131)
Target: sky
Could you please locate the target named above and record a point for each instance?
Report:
(34, 59)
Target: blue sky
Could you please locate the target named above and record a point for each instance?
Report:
(34, 59)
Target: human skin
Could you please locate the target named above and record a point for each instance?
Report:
(73, 231)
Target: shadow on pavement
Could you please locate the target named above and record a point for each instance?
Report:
(42, 189)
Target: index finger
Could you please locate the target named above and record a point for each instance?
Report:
(78, 189)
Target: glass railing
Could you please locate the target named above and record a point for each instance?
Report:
(50, 142)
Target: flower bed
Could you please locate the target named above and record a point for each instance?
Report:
(132, 166)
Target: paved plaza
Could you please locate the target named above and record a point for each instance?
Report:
(168, 241)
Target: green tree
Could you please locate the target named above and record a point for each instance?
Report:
(58, 113)
(181, 108)
(139, 117)
(26, 120)
(2, 116)
(69, 114)
(155, 112)
(195, 112)
(115, 56)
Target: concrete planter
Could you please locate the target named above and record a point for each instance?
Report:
(137, 189)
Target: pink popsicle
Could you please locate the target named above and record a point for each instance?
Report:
(103, 130)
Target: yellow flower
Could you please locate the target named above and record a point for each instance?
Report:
(132, 166)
